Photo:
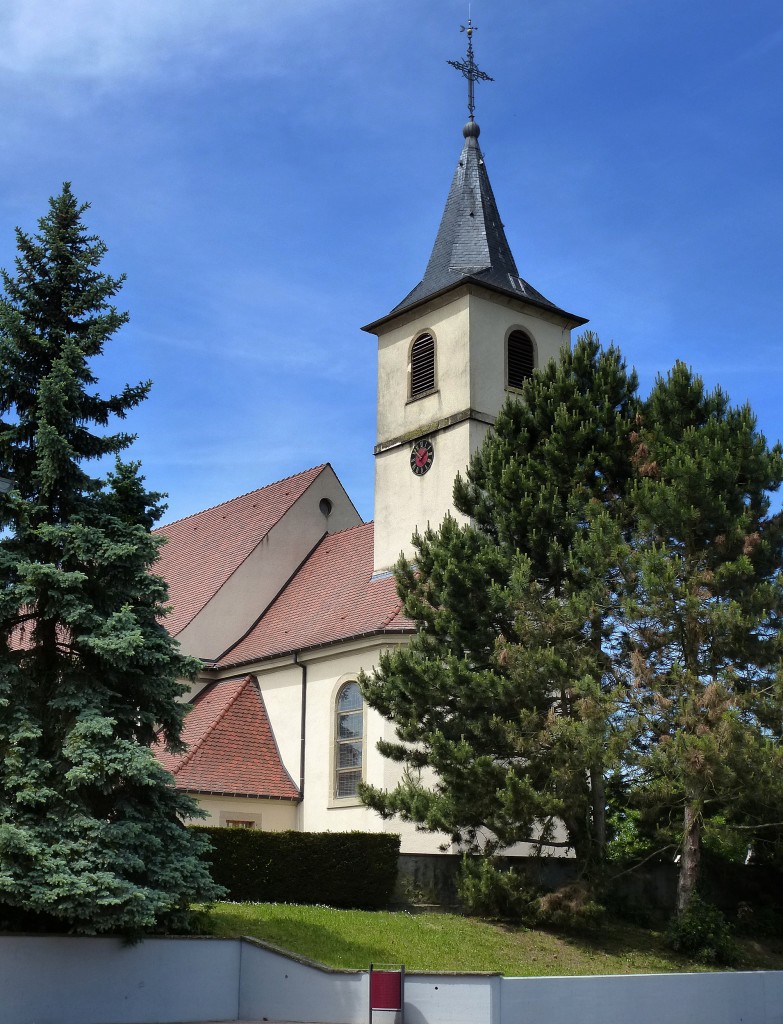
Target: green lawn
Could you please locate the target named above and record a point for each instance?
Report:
(447, 942)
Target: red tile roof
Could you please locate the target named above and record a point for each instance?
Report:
(332, 597)
(204, 550)
(231, 746)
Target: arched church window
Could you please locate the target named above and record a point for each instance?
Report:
(422, 365)
(349, 740)
(520, 359)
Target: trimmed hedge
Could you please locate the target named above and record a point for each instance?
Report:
(336, 869)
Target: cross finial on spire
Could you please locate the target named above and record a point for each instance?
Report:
(469, 68)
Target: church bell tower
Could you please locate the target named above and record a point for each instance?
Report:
(452, 351)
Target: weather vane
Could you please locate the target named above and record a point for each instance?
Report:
(469, 68)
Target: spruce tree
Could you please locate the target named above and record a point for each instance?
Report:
(91, 827)
(505, 695)
(704, 640)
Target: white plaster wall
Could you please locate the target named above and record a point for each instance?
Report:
(470, 327)
(320, 811)
(281, 688)
(490, 323)
(449, 324)
(55, 980)
(243, 597)
(404, 501)
(267, 815)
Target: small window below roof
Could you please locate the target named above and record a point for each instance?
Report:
(520, 359)
(422, 368)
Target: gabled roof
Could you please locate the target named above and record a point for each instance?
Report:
(231, 746)
(471, 244)
(332, 597)
(205, 549)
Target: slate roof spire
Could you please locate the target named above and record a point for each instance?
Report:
(471, 244)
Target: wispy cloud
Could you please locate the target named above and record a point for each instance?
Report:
(114, 39)
(760, 48)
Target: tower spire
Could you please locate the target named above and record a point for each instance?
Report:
(469, 68)
(471, 245)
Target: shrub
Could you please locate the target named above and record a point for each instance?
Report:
(572, 906)
(702, 932)
(488, 890)
(337, 869)
(627, 842)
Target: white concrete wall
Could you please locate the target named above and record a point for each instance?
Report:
(452, 999)
(709, 998)
(275, 987)
(52, 980)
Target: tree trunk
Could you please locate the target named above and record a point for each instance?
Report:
(598, 799)
(690, 855)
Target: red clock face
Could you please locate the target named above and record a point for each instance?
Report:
(422, 455)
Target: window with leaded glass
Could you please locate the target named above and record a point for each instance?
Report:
(422, 365)
(521, 359)
(349, 731)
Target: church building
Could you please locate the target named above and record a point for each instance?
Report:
(286, 595)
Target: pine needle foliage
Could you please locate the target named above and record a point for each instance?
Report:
(503, 699)
(603, 633)
(704, 644)
(91, 827)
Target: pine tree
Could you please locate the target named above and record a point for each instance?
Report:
(704, 622)
(91, 827)
(505, 694)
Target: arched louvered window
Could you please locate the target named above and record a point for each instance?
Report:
(422, 365)
(349, 740)
(521, 359)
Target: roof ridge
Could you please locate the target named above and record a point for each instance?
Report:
(246, 494)
(393, 615)
(339, 533)
(196, 746)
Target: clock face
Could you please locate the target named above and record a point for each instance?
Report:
(422, 455)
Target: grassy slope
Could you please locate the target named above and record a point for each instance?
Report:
(445, 942)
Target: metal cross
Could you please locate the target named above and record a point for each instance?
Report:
(469, 68)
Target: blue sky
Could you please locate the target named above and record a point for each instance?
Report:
(270, 176)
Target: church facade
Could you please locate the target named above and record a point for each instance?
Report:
(286, 595)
